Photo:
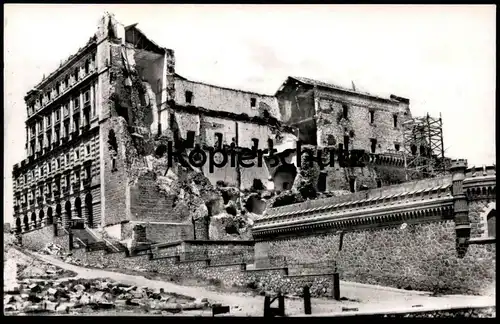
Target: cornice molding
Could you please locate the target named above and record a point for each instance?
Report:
(386, 214)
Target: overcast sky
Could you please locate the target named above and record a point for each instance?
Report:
(440, 57)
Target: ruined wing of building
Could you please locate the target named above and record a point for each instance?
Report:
(98, 129)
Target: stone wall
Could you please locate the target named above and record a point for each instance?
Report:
(37, 239)
(227, 274)
(223, 99)
(357, 126)
(420, 257)
(478, 212)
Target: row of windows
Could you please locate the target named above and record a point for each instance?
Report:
(189, 99)
(46, 122)
(394, 118)
(55, 163)
(69, 80)
(56, 186)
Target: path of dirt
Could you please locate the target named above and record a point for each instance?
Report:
(370, 298)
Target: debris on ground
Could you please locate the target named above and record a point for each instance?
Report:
(75, 296)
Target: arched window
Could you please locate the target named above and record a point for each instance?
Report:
(491, 221)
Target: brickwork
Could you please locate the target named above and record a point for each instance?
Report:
(116, 178)
(421, 256)
(148, 203)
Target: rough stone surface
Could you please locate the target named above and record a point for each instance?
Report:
(420, 257)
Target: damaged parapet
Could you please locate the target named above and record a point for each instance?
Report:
(461, 209)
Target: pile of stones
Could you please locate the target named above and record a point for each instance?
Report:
(75, 296)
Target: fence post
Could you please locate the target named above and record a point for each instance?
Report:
(307, 300)
(336, 286)
(267, 306)
(281, 304)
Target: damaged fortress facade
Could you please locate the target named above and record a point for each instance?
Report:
(98, 130)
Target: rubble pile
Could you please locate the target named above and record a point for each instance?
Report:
(86, 295)
(52, 249)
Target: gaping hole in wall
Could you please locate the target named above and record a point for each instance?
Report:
(257, 185)
(284, 177)
(330, 140)
(113, 145)
(253, 102)
(161, 150)
(397, 147)
(379, 183)
(255, 205)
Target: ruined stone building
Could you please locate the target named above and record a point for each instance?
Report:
(100, 127)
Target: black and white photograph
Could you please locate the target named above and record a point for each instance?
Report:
(249, 160)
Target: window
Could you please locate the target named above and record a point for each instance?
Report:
(66, 82)
(77, 154)
(67, 158)
(352, 184)
(58, 115)
(395, 120)
(86, 97)
(87, 149)
(491, 223)
(76, 74)
(41, 170)
(218, 140)
(58, 87)
(345, 111)
(331, 140)
(397, 147)
(76, 102)
(189, 96)
(373, 145)
(253, 102)
(88, 173)
(58, 163)
(48, 96)
(87, 66)
(190, 139)
(49, 166)
(255, 142)
(372, 116)
(48, 120)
